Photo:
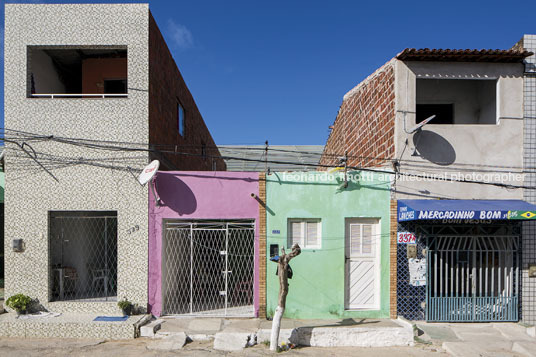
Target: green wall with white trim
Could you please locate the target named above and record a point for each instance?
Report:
(317, 290)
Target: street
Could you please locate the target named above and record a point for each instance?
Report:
(137, 347)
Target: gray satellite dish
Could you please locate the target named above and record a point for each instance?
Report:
(421, 124)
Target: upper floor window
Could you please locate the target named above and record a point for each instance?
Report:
(180, 118)
(77, 72)
(203, 150)
(305, 232)
(457, 101)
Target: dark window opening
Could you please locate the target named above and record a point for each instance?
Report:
(456, 101)
(180, 118)
(203, 150)
(443, 113)
(66, 71)
(83, 255)
(115, 86)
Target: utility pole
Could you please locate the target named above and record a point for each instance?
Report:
(266, 157)
(282, 267)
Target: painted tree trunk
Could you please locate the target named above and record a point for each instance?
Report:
(284, 259)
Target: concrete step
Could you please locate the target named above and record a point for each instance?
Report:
(150, 329)
(513, 332)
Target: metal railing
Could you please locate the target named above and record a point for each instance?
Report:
(80, 95)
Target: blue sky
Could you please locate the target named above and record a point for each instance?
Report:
(277, 70)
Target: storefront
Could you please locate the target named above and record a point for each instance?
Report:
(460, 260)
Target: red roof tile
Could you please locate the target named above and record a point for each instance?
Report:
(450, 55)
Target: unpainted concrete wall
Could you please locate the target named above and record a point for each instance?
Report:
(457, 151)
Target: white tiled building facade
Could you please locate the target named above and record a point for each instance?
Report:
(31, 193)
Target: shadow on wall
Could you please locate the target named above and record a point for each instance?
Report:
(434, 148)
(180, 197)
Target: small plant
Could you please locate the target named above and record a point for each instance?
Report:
(126, 306)
(19, 303)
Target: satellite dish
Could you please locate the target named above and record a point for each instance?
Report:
(421, 124)
(148, 172)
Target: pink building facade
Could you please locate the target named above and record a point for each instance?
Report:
(204, 244)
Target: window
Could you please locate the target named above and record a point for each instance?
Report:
(361, 239)
(204, 150)
(180, 118)
(306, 232)
(83, 255)
(115, 86)
(77, 72)
(456, 101)
(444, 113)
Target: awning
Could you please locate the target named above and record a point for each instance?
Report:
(414, 210)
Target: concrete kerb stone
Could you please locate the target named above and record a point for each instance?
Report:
(176, 341)
(233, 341)
(150, 329)
(285, 335)
(526, 348)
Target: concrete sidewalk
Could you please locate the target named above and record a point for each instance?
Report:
(68, 326)
(236, 334)
(480, 339)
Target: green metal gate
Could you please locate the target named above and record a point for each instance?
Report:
(473, 277)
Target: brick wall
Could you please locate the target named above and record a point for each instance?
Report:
(364, 127)
(393, 224)
(262, 246)
(166, 89)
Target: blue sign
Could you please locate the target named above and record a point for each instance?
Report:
(276, 231)
(413, 210)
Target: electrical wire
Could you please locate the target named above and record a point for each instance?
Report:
(97, 145)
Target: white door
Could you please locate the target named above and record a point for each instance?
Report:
(362, 263)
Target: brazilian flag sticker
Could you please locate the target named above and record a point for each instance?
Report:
(521, 215)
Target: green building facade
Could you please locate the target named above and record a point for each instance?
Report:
(343, 270)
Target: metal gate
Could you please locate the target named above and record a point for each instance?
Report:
(83, 255)
(473, 277)
(208, 268)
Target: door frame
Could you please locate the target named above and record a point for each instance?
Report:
(376, 222)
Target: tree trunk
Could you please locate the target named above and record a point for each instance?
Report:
(284, 259)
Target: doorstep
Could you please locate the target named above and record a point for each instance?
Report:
(69, 325)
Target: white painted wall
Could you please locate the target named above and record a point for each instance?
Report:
(46, 78)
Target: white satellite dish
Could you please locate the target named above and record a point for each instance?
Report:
(421, 124)
(148, 172)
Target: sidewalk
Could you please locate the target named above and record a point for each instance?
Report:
(236, 334)
(67, 326)
(480, 339)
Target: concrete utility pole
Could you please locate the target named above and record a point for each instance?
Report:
(284, 259)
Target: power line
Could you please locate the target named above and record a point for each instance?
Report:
(33, 136)
(422, 176)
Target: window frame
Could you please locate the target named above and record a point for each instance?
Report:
(303, 239)
(181, 124)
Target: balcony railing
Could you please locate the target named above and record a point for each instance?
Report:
(81, 95)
